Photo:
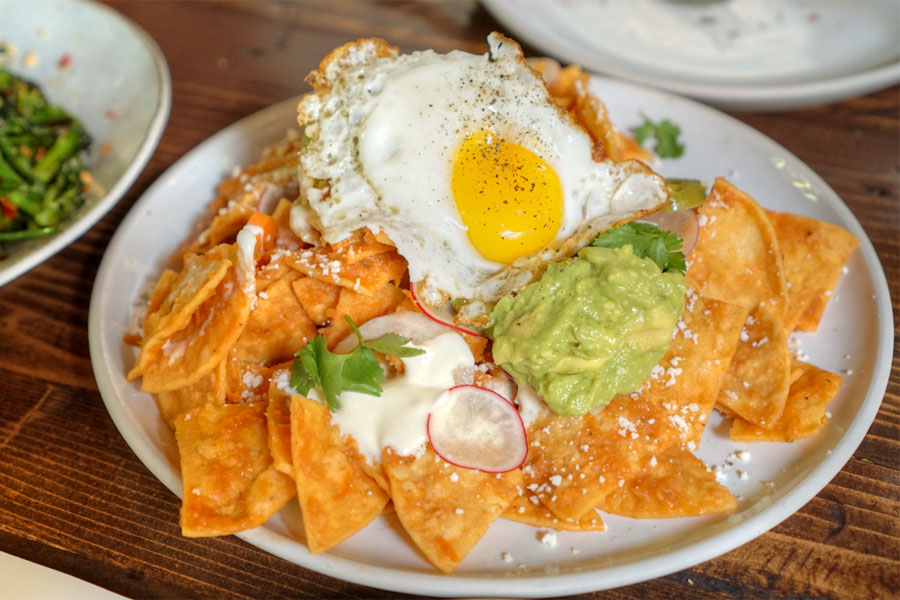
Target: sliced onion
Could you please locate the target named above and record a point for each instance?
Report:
(442, 315)
(549, 68)
(477, 428)
(414, 326)
(682, 222)
(269, 198)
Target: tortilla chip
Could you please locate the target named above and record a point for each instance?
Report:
(229, 482)
(362, 308)
(174, 302)
(675, 484)
(209, 389)
(532, 512)
(367, 276)
(195, 350)
(160, 292)
(271, 272)
(574, 463)
(245, 381)
(278, 418)
(446, 515)
(318, 298)
(278, 326)
(814, 253)
(804, 412)
(228, 222)
(284, 235)
(756, 386)
(336, 497)
(737, 258)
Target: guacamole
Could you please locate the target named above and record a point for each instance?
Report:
(592, 327)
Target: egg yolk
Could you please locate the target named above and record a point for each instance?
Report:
(510, 200)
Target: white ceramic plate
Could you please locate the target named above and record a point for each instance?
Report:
(117, 84)
(742, 55)
(856, 334)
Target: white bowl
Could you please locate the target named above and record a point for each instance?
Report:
(116, 82)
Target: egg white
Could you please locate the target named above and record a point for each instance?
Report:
(383, 141)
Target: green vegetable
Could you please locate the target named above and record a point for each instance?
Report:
(646, 241)
(26, 234)
(40, 165)
(65, 146)
(666, 134)
(356, 371)
(685, 193)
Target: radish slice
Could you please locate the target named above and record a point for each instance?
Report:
(682, 222)
(417, 328)
(442, 315)
(476, 428)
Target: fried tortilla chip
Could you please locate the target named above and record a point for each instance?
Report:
(271, 272)
(193, 351)
(446, 509)
(362, 308)
(574, 463)
(674, 484)
(537, 515)
(160, 292)
(737, 258)
(245, 381)
(756, 386)
(367, 276)
(814, 253)
(278, 326)
(336, 497)
(318, 298)
(278, 417)
(284, 235)
(804, 412)
(174, 301)
(229, 481)
(209, 389)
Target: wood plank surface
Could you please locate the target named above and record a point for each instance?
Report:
(75, 498)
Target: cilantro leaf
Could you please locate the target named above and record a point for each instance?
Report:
(356, 371)
(301, 382)
(362, 372)
(393, 343)
(666, 134)
(646, 241)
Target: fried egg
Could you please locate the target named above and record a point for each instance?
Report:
(464, 161)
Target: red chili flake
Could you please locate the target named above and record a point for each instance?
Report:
(9, 210)
(64, 61)
(105, 149)
(110, 114)
(40, 153)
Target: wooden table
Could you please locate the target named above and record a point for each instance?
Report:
(74, 496)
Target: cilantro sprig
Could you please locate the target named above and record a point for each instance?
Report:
(666, 134)
(356, 371)
(647, 241)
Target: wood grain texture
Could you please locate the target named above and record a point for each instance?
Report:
(74, 497)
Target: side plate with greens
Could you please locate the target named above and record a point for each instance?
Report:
(106, 71)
